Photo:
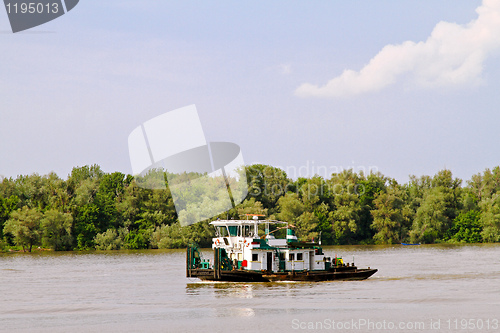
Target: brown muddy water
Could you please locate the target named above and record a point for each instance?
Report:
(417, 289)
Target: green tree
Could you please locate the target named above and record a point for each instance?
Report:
(80, 174)
(416, 189)
(29, 191)
(367, 188)
(324, 225)
(154, 209)
(111, 239)
(56, 229)
(169, 237)
(290, 207)
(55, 192)
(345, 215)
(250, 206)
(128, 204)
(7, 206)
(345, 218)
(440, 204)
(176, 236)
(24, 226)
(466, 228)
(388, 216)
(85, 226)
(267, 184)
(293, 210)
(312, 192)
(431, 220)
(110, 187)
(485, 185)
(490, 218)
(305, 226)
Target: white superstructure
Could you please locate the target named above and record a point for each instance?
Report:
(251, 245)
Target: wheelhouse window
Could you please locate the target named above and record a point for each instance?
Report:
(247, 231)
(299, 256)
(221, 232)
(291, 256)
(255, 257)
(233, 230)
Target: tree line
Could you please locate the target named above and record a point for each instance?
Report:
(92, 209)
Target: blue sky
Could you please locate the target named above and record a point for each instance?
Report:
(402, 87)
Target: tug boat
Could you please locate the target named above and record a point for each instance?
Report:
(241, 255)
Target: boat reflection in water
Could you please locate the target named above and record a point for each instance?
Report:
(223, 290)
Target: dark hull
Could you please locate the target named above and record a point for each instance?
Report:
(344, 273)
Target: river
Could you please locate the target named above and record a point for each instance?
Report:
(449, 288)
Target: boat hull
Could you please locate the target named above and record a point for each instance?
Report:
(351, 273)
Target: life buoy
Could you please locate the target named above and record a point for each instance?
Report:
(217, 242)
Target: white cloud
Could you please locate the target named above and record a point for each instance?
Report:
(452, 55)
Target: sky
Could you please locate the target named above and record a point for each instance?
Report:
(313, 87)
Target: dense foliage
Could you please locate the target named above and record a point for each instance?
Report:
(106, 211)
